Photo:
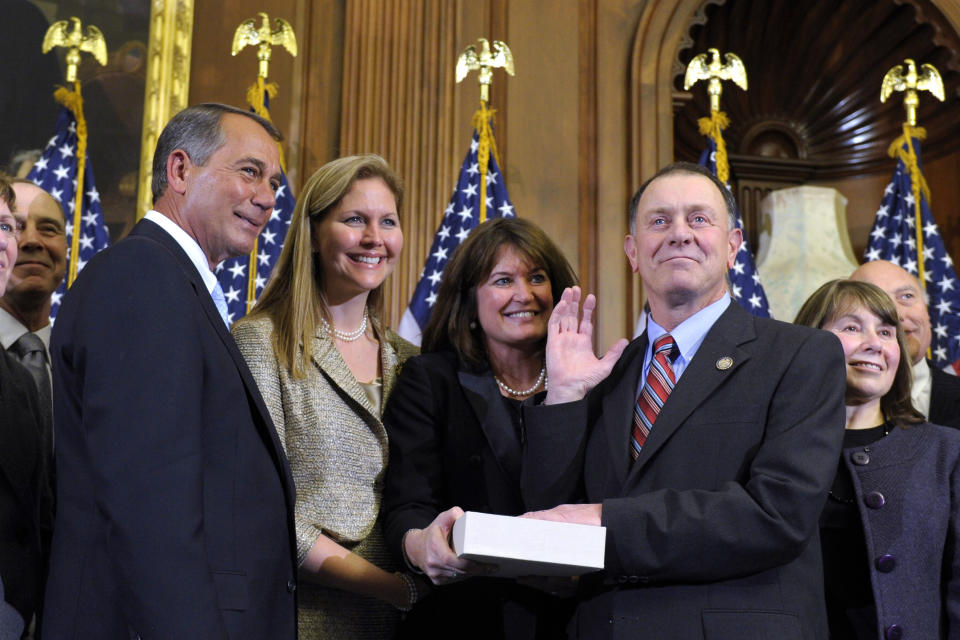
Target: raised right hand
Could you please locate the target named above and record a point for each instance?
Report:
(573, 368)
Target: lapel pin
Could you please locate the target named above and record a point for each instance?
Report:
(724, 363)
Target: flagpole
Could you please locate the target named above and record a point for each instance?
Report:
(744, 278)
(910, 82)
(484, 62)
(480, 178)
(259, 95)
(905, 231)
(69, 34)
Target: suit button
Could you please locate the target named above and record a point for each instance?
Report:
(860, 458)
(893, 632)
(475, 460)
(634, 579)
(885, 563)
(622, 579)
(291, 586)
(875, 500)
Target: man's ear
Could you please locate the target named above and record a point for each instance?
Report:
(178, 166)
(735, 239)
(630, 248)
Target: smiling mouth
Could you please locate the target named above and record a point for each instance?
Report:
(521, 314)
(870, 366)
(255, 225)
(367, 259)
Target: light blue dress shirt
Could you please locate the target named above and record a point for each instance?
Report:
(688, 335)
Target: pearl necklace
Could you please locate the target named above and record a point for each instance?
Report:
(541, 379)
(346, 336)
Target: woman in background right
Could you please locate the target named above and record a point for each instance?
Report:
(889, 530)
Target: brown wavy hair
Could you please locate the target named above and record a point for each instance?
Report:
(838, 297)
(470, 265)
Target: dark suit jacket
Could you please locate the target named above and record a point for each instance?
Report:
(712, 532)
(453, 443)
(175, 501)
(944, 398)
(26, 509)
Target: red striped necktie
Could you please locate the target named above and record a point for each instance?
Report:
(657, 387)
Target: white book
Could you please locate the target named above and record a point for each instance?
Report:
(527, 547)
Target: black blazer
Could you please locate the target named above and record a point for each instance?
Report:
(175, 501)
(712, 532)
(26, 508)
(944, 397)
(453, 443)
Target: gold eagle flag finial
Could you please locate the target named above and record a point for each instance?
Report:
(910, 83)
(265, 37)
(62, 34)
(485, 62)
(712, 70)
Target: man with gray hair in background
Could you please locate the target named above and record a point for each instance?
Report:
(935, 393)
(175, 500)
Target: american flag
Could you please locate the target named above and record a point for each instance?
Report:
(236, 276)
(460, 217)
(894, 238)
(56, 173)
(745, 284)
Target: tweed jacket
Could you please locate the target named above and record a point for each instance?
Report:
(908, 487)
(333, 437)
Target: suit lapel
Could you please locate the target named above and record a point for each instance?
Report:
(330, 362)
(153, 231)
(707, 371)
(494, 418)
(389, 365)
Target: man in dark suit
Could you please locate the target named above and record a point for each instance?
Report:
(25, 506)
(25, 307)
(175, 501)
(708, 461)
(935, 393)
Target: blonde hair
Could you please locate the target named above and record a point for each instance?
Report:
(294, 297)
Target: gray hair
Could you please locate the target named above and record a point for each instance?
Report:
(196, 130)
(690, 168)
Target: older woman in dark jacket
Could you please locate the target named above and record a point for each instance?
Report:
(891, 525)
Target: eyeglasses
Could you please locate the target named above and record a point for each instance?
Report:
(11, 227)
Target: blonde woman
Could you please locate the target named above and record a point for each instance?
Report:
(325, 365)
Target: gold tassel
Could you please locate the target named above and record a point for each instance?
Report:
(482, 121)
(73, 101)
(713, 127)
(918, 185)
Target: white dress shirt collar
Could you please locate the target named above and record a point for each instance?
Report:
(11, 329)
(688, 335)
(188, 244)
(922, 387)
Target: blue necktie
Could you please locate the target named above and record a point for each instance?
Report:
(221, 303)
